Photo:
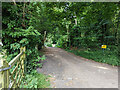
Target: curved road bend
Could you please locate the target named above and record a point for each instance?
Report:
(70, 71)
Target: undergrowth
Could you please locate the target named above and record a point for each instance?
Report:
(35, 80)
(32, 79)
(108, 56)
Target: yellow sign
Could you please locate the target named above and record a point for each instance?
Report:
(103, 46)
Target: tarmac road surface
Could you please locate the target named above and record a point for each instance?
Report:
(70, 71)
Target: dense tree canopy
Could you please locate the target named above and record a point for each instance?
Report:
(67, 24)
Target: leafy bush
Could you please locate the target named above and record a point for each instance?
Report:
(35, 80)
(49, 45)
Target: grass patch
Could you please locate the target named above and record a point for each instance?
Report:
(109, 56)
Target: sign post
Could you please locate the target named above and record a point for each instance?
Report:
(104, 47)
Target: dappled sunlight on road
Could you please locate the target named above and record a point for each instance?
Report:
(100, 67)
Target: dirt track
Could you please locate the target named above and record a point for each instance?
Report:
(71, 71)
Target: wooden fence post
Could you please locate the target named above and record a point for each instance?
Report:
(4, 75)
(22, 58)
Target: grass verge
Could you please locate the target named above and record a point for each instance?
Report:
(107, 56)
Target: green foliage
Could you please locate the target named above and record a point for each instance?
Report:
(34, 60)
(108, 56)
(95, 26)
(24, 24)
(19, 31)
(35, 80)
(62, 41)
(49, 45)
(15, 46)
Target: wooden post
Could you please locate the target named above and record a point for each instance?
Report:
(44, 39)
(22, 58)
(4, 75)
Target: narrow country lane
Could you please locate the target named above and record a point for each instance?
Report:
(70, 71)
